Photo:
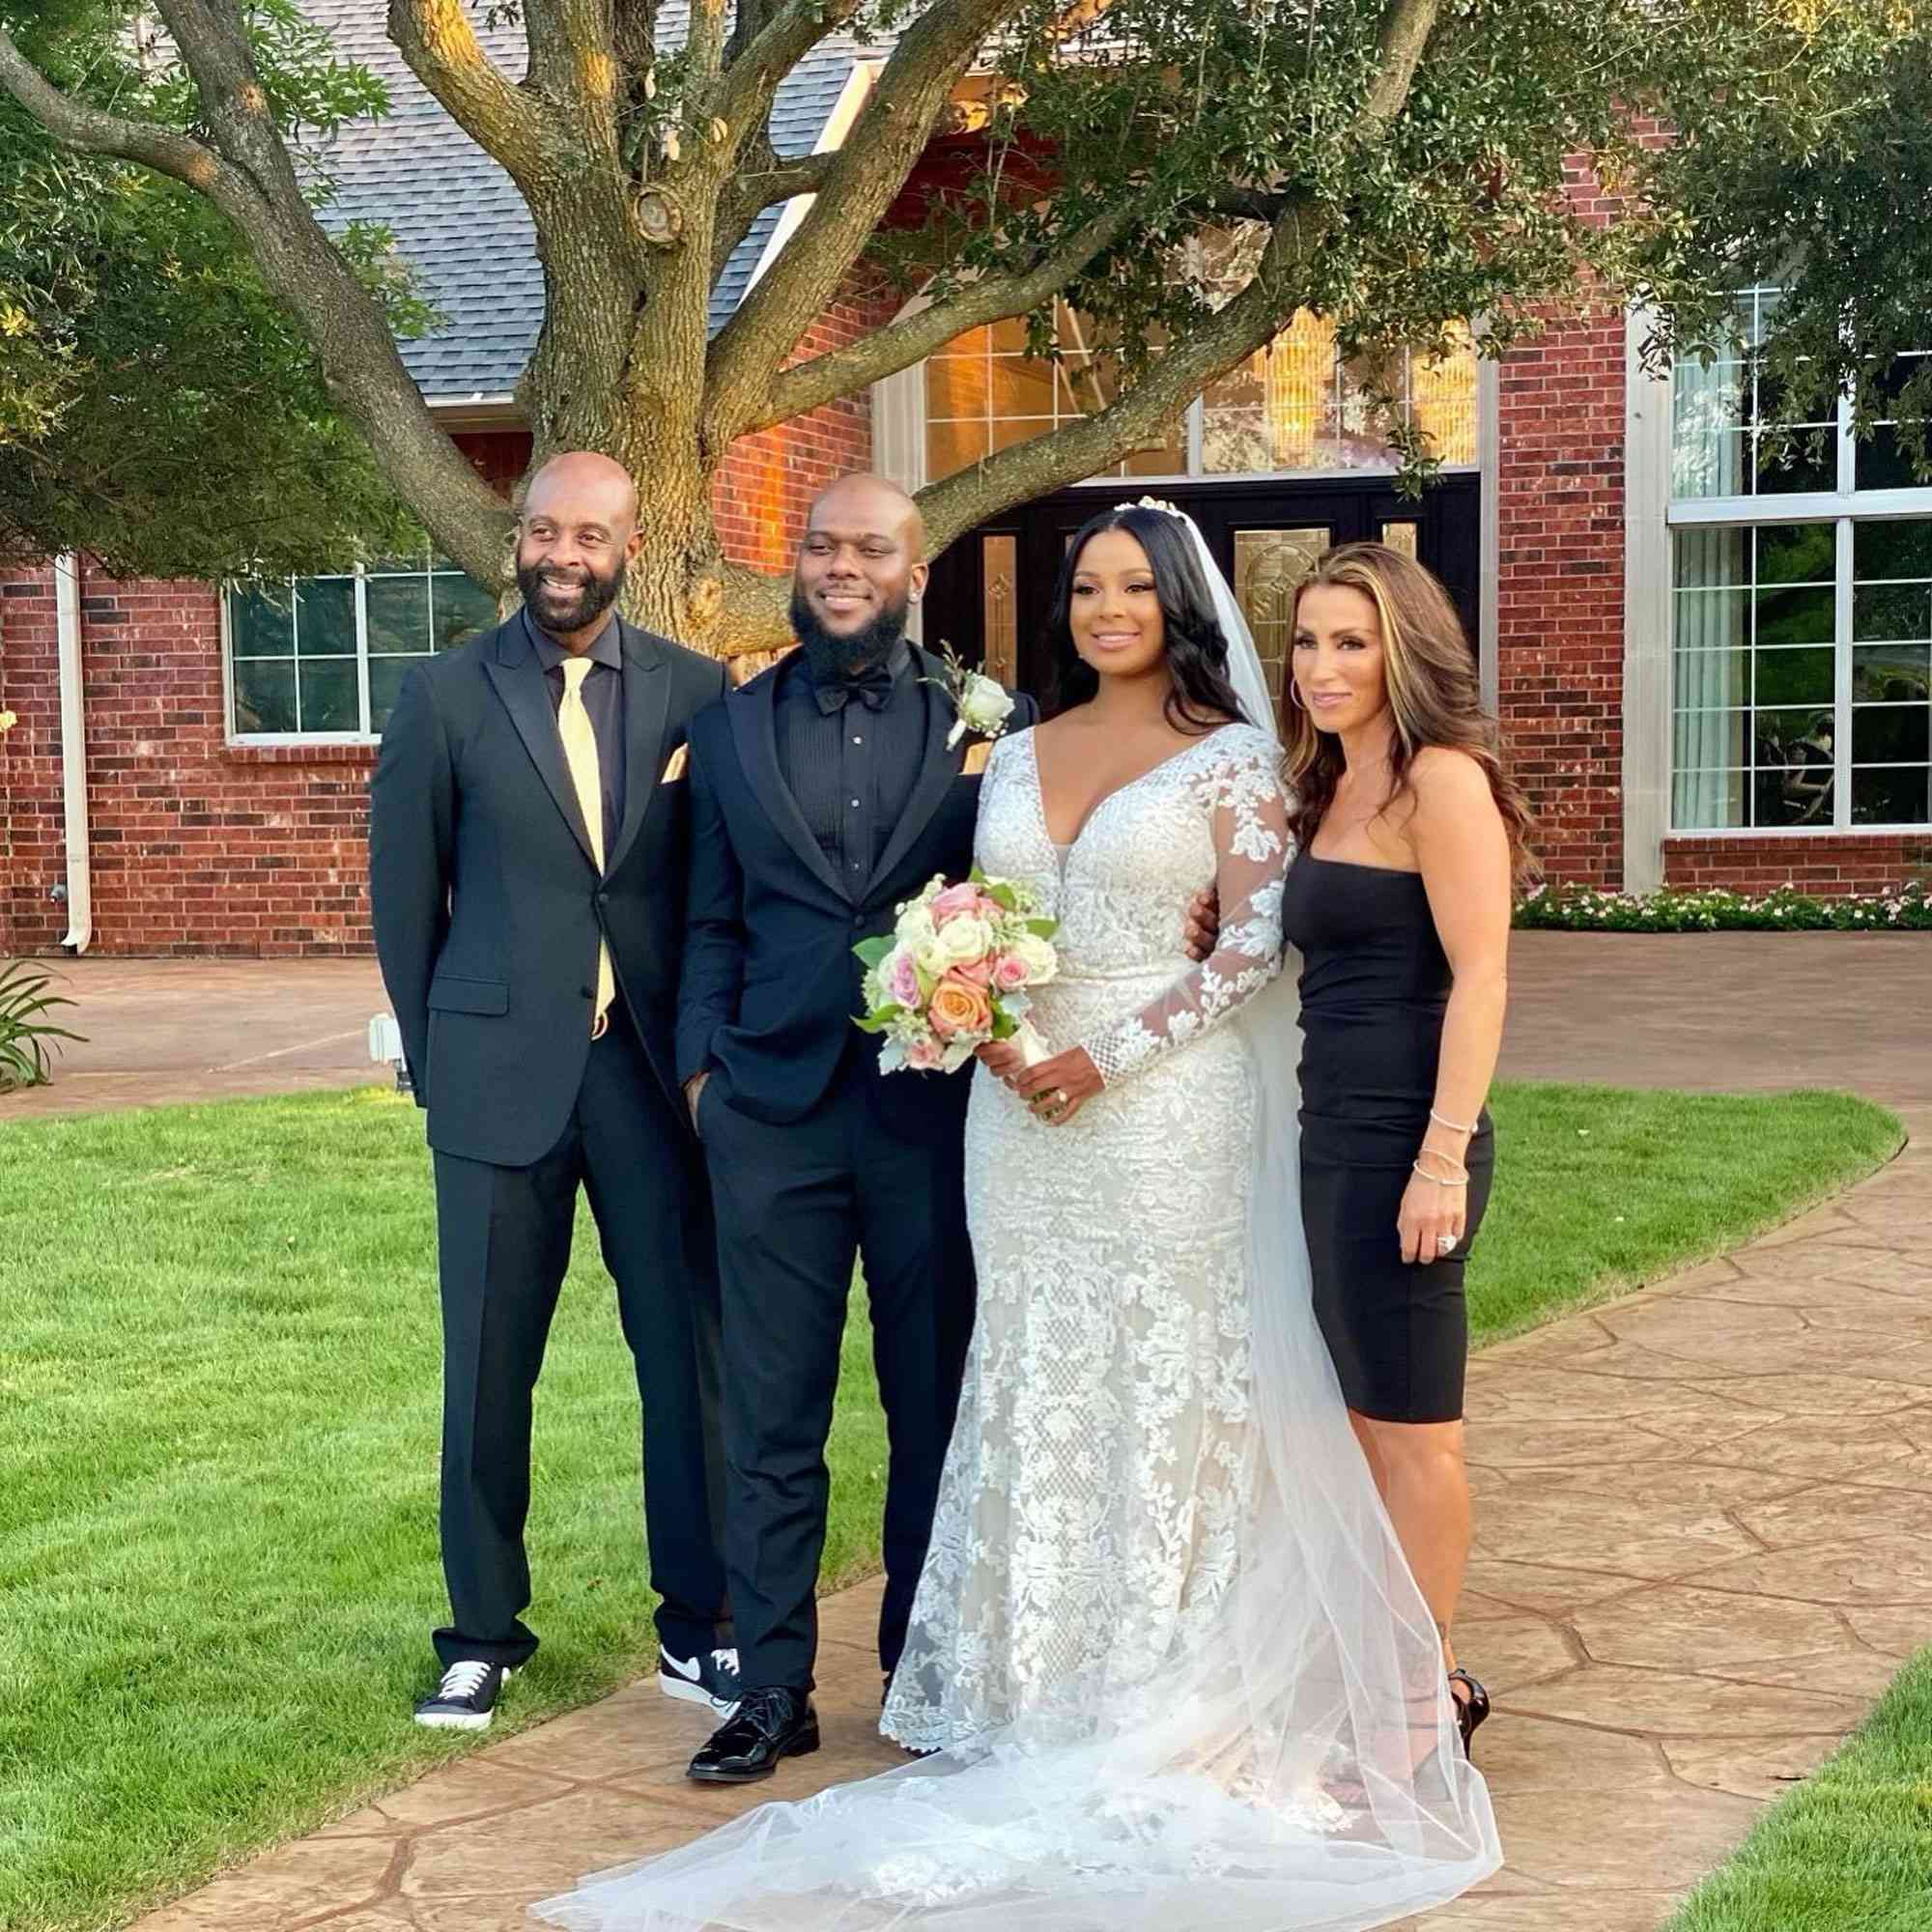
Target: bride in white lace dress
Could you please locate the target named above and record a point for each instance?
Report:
(1089, 1515)
(1167, 1668)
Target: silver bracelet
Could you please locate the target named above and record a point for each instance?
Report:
(1442, 1120)
(1458, 1179)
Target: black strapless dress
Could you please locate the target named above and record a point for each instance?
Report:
(1375, 982)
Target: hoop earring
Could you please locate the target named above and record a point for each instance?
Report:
(1294, 696)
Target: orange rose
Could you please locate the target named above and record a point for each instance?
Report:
(959, 1006)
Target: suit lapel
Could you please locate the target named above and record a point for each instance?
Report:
(518, 675)
(754, 731)
(646, 706)
(935, 775)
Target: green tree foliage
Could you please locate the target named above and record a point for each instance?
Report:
(158, 407)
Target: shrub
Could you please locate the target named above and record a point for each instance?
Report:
(1581, 909)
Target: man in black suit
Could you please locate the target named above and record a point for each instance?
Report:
(823, 793)
(529, 838)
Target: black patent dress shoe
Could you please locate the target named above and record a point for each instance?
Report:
(771, 1724)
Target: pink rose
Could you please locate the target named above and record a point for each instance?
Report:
(1010, 972)
(905, 980)
(955, 901)
(958, 1008)
(923, 1055)
(975, 972)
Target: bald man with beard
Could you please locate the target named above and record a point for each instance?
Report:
(529, 841)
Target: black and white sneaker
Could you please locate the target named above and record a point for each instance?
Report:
(710, 1680)
(466, 1701)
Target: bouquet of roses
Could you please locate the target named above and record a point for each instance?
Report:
(956, 973)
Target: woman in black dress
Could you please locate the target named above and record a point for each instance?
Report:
(1410, 835)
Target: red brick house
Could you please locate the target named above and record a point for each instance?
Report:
(1710, 667)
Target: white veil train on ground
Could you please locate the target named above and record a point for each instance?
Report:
(1299, 1771)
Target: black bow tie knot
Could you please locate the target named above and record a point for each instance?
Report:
(871, 688)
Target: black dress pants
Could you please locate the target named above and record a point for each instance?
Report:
(503, 1244)
(796, 1206)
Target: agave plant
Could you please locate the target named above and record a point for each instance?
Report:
(28, 1038)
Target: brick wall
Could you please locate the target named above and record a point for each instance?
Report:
(197, 846)
(30, 772)
(1831, 866)
(766, 482)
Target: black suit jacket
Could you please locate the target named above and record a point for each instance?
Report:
(770, 982)
(488, 905)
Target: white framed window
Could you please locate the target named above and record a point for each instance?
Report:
(323, 658)
(1802, 613)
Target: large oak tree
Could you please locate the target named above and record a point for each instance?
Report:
(1189, 173)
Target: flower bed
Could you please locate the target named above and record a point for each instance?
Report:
(1581, 909)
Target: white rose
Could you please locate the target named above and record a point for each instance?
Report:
(983, 706)
(915, 931)
(962, 940)
(1037, 957)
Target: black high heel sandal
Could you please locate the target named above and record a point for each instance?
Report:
(1470, 1711)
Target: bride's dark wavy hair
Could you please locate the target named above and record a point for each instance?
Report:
(1201, 698)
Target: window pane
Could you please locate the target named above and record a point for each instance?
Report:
(1894, 549)
(260, 621)
(953, 446)
(1798, 554)
(1805, 615)
(1269, 565)
(1708, 741)
(1882, 464)
(326, 616)
(329, 700)
(460, 610)
(955, 386)
(1899, 796)
(398, 613)
(1891, 673)
(1707, 801)
(1710, 681)
(1892, 734)
(264, 696)
(1883, 611)
(1402, 536)
(1798, 793)
(1796, 677)
(386, 685)
(999, 614)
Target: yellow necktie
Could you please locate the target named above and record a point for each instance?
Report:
(587, 776)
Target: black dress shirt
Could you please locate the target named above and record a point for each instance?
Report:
(850, 767)
(602, 700)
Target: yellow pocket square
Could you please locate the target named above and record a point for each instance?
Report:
(674, 771)
(978, 756)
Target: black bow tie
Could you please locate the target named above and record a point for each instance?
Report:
(871, 688)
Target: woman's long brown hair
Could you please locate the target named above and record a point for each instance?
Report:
(1433, 693)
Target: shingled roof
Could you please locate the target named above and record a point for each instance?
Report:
(459, 219)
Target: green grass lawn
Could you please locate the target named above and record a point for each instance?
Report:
(1851, 1849)
(218, 1369)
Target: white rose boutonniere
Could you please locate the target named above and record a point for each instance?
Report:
(982, 704)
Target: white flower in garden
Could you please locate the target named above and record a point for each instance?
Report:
(8, 720)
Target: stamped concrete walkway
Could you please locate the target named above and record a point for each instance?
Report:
(1705, 1529)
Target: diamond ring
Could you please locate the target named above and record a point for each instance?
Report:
(1444, 1243)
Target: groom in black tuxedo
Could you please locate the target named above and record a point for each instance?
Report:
(528, 834)
(824, 793)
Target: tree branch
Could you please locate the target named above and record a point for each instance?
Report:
(441, 45)
(860, 185)
(79, 126)
(899, 345)
(743, 92)
(762, 179)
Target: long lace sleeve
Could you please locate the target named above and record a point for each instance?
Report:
(1243, 789)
